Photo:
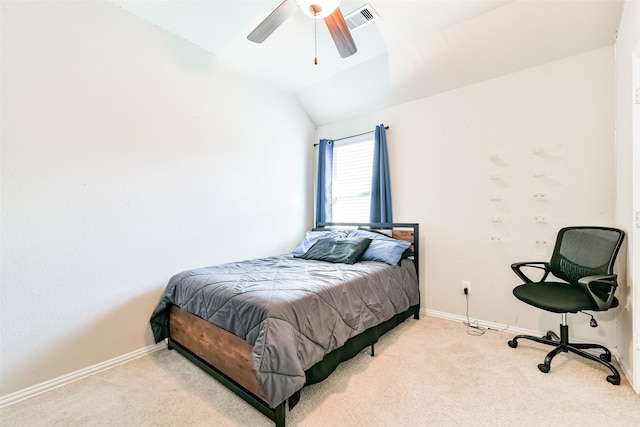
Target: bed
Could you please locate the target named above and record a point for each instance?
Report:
(266, 328)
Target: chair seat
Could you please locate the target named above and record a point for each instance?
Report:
(557, 297)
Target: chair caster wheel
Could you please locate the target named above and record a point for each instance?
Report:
(614, 379)
(544, 368)
(513, 343)
(606, 357)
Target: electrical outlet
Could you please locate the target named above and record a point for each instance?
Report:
(540, 149)
(495, 239)
(466, 285)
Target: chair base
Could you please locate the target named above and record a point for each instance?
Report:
(562, 345)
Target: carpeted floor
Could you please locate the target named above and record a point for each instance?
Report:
(430, 372)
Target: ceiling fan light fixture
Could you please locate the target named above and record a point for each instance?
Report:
(318, 8)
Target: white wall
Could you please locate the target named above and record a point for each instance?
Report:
(628, 41)
(127, 155)
(439, 152)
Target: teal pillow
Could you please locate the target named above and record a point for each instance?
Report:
(336, 250)
(313, 236)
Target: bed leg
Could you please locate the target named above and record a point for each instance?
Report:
(279, 413)
(293, 400)
(373, 351)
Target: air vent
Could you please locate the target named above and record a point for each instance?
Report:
(361, 17)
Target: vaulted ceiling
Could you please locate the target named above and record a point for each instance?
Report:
(415, 49)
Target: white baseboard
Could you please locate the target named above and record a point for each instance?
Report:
(486, 324)
(75, 376)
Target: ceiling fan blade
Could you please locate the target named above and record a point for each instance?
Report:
(340, 33)
(273, 21)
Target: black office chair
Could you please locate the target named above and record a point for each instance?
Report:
(583, 260)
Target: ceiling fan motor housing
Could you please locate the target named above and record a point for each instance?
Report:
(318, 8)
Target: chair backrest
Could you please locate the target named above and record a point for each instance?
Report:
(585, 251)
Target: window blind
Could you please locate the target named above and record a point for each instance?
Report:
(352, 174)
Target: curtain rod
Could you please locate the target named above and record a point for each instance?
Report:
(352, 136)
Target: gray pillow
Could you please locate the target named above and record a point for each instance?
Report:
(382, 248)
(337, 250)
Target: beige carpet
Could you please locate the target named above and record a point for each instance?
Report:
(427, 372)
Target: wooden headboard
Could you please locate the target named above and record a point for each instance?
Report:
(400, 231)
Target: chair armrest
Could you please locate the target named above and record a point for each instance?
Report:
(517, 268)
(603, 295)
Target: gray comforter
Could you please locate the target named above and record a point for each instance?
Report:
(292, 311)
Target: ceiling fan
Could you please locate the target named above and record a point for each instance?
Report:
(328, 10)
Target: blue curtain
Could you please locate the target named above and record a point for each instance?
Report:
(324, 196)
(381, 183)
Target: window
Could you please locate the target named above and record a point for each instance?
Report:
(350, 184)
(352, 174)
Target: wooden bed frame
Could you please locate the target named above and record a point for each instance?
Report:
(228, 359)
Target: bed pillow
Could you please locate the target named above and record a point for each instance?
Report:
(382, 247)
(337, 250)
(313, 236)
